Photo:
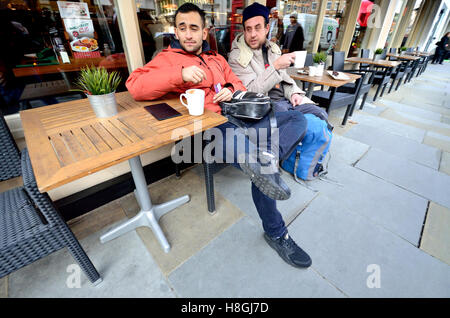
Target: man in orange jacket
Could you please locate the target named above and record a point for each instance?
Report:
(188, 63)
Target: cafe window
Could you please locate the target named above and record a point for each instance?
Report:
(48, 43)
(397, 15)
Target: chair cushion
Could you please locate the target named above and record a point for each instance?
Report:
(17, 216)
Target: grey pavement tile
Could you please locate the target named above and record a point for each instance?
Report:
(409, 175)
(415, 111)
(390, 126)
(346, 247)
(347, 149)
(372, 109)
(239, 263)
(126, 267)
(397, 145)
(385, 204)
(235, 186)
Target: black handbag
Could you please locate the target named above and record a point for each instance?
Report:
(247, 106)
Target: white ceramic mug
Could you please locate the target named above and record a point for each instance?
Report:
(195, 101)
(300, 57)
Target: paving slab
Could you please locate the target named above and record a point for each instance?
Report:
(235, 186)
(424, 181)
(189, 227)
(437, 140)
(347, 149)
(383, 203)
(418, 122)
(349, 251)
(436, 234)
(390, 126)
(372, 109)
(239, 263)
(445, 163)
(404, 108)
(125, 265)
(397, 145)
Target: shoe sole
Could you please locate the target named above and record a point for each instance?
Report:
(284, 257)
(274, 192)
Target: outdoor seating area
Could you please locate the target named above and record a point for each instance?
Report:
(274, 149)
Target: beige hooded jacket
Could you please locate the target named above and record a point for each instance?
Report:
(248, 65)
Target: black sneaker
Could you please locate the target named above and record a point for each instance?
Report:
(289, 251)
(270, 182)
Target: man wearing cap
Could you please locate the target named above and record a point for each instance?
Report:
(261, 67)
(276, 26)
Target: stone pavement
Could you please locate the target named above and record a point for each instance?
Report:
(383, 232)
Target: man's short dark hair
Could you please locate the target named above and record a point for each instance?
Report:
(190, 7)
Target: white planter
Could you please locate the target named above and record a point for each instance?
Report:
(319, 69)
(377, 57)
(105, 105)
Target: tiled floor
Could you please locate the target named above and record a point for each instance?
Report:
(391, 211)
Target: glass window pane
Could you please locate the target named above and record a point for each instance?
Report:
(48, 43)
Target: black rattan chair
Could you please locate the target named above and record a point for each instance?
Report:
(31, 228)
(9, 153)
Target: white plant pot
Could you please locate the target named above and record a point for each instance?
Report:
(377, 57)
(105, 105)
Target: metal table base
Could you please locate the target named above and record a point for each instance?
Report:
(149, 214)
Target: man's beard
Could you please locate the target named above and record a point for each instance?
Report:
(194, 50)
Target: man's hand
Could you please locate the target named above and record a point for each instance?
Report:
(284, 61)
(296, 99)
(193, 74)
(224, 95)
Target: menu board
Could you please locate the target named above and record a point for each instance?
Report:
(79, 26)
(73, 10)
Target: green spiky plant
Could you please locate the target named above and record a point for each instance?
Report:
(378, 51)
(97, 81)
(320, 57)
(403, 48)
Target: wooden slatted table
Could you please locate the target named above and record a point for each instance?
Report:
(67, 142)
(325, 80)
(404, 57)
(382, 63)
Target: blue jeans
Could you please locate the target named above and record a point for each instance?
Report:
(292, 127)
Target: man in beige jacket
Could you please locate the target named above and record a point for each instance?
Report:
(261, 67)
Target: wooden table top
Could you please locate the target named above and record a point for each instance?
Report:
(404, 57)
(384, 63)
(325, 79)
(419, 53)
(66, 141)
(75, 66)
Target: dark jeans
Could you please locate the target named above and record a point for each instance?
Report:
(439, 55)
(292, 127)
(285, 105)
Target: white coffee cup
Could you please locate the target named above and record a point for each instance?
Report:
(195, 101)
(300, 57)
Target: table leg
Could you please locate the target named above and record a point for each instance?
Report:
(310, 91)
(149, 214)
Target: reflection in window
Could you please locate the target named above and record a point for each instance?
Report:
(48, 43)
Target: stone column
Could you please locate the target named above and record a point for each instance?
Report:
(319, 25)
(348, 25)
(404, 23)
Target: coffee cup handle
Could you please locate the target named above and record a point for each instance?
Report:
(182, 102)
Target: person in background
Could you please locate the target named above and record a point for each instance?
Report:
(276, 26)
(442, 49)
(293, 38)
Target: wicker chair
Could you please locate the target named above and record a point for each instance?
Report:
(9, 153)
(31, 228)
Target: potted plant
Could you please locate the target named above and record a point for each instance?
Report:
(403, 49)
(377, 55)
(100, 87)
(319, 60)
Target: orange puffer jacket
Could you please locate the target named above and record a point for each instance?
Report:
(162, 75)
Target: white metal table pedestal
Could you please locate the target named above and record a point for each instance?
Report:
(149, 214)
